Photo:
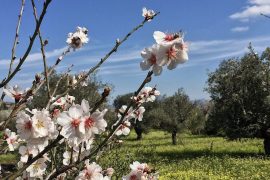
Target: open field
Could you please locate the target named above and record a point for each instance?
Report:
(195, 157)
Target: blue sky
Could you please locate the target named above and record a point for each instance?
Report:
(215, 30)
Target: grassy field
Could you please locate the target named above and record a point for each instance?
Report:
(195, 157)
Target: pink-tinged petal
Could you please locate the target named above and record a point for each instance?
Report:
(7, 92)
(146, 53)
(145, 65)
(161, 56)
(64, 119)
(82, 127)
(67, 131)
(75, 111)
(183, 56)
(157, 70)
(159, 36)
(144, 11)
(22, 150)
(118, 132)
(95, 130)
(172, 65)
(85, 106)
(24, 158)
(126, 131)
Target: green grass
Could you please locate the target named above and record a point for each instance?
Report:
(195, 157)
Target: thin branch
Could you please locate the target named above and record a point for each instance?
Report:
(57, 85)
(265, 15)
(16, 41)
(104, 142)
(42, 45)
(102, 60)
(29, 48)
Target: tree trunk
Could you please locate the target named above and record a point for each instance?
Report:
(266, 142)
(138, 131)
(174, 142)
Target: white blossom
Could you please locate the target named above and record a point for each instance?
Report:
(37, 169)
(123, 129)
(150, 59)
(91, 172)
(11, 139)
(147, 94)
(77, 39)
(42, 124)
(138, 114)
(70, 121)
(14, 92)
(167, 39)
(83, 82)
(67, 157)
(172, 55)
(24, 125)
(25, 151)
(148, 14)
(128, 115)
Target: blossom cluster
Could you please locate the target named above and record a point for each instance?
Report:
(140, 171)
(147, 94)
(169, 50)
(95, 172)
(77, 125)
(77, 39)
(15, 92)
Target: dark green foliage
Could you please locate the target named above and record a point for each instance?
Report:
(91, 92)
(239, 90)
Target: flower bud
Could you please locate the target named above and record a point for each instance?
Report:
(106, 92)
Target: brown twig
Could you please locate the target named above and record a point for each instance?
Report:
(57, 85)
(265, 15)
(42, 47)
(29, 48)
(16, 41)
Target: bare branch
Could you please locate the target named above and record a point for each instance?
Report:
(265, 15)
(29, 48)
(42, 45)
(16, 41)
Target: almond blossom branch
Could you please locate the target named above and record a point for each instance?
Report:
(16, 41)
(33, 89)
(104, 142)
(53, 143)
(57, 85)
(46, 149)
(42, 45)
(29, 48)
(102, 60)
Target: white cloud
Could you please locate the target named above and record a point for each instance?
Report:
(240, 29)
(255, 8)
(34, 57)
